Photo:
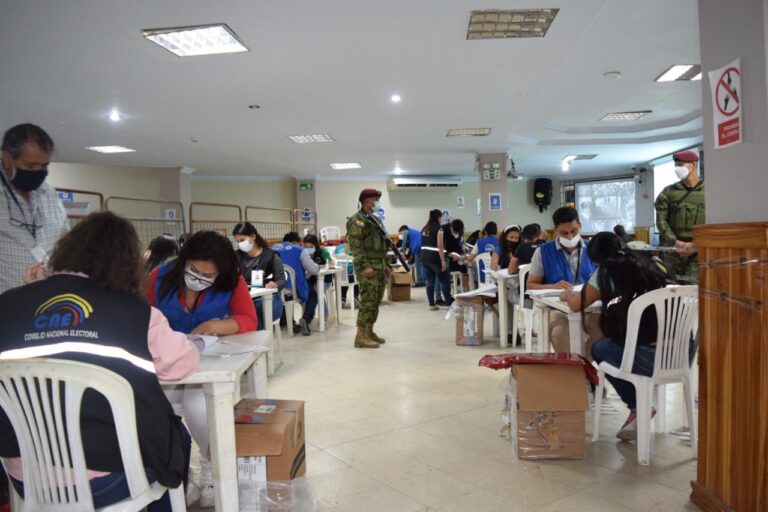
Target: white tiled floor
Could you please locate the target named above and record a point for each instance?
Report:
(414, 426)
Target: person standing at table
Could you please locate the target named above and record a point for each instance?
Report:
(562, 264)
(97, 273)
(411, 239)
(31, 216)
(679, 207)
(433, 254)
(366, 240)
(254, 255)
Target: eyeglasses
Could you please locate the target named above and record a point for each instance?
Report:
(207, 281)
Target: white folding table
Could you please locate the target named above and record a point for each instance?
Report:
(575, 327)
(336, 273)
(266, 297)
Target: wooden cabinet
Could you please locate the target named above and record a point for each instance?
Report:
(732, 469)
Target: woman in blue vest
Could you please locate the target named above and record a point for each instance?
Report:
(99, 264)
(487, 243)
(202, 292)
(562, 264)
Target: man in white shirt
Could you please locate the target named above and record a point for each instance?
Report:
(32, 218)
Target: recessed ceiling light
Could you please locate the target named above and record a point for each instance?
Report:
(625, 116)
(496, 24)
(115, 115)
(468, 132)
(612, 74)
(395, 98)
(196, 40)
(110, 149)
(340, 166)
(680, 72)
(311, 139)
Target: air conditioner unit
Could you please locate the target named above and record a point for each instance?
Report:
(422, 184)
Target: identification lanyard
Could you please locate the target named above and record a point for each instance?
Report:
(30, 227)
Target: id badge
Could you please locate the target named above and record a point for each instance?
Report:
(38, 253)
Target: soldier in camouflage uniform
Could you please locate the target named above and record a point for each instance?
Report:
(370, 250)
(679, 207)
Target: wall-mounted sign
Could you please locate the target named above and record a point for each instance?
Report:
(446, 218)
(726, 104)
(170, 214)
(460, 202)
(66, 196)
(494, 202)
(305, 215)
(306, 185)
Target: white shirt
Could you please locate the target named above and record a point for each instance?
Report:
(41, 221)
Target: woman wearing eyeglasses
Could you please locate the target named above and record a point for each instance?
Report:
(202, 292)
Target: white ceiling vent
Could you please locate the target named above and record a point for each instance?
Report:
(419, 184)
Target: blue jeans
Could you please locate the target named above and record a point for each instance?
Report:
(277, 309)
(444, 281)
(107, 490)
(608, 350)
(419, 267)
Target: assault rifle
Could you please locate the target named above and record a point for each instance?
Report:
(391, 246)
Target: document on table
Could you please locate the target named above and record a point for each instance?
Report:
(549, 292)
(487, 290)
(202, 341)
(223, 348)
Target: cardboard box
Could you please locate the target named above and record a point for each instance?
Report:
(269, 440)
(469, 321)
(399, 285)
(547, 406)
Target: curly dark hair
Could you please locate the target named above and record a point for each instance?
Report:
(104, 246)
(206, 246)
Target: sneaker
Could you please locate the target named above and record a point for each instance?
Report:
(304, 327)
(628, 431)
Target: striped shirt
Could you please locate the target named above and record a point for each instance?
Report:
(25, 225)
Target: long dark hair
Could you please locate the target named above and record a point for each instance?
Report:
(161, 249)
(104, 246)
(434, 218)
(622, 276)
(205, 246)
(248, 229)
(504, 245)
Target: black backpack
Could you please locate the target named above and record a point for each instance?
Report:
(542, 193)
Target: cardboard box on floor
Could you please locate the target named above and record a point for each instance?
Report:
(399, 285)
(469, 321)
(269, 440)
(547, 403)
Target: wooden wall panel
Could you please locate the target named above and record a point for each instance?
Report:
(733, 368)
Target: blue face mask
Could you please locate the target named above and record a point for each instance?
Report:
(310, 250)
(27, 180)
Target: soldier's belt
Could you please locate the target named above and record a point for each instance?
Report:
(685, 239)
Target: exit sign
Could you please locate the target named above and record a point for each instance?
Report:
(306, 186)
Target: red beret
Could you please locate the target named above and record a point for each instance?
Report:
(686, 156)
(369, 192)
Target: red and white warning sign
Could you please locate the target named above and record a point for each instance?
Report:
(726, 104)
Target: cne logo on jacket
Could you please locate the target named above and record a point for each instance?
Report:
(67, 310)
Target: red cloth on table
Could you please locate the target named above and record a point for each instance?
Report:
(502, 361)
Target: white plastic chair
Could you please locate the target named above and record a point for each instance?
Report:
(288, 305)
(330, 233)
(483, 263)
(526, 313)
(345, 260)
(677, 313)
(50, 441)
(455, 282)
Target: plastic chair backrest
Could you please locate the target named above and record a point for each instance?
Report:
(483, 262)
(330, 233)
(345, 261)
(678, 317)
(522, 276)
(290, 276)
(49, 438)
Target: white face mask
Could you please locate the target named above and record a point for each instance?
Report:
(245, 245)
(570, 243)
(400, 236)
(195, 281)
(682, 171)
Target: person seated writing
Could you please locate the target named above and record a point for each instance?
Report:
(508, 242)
(202, 292)
(524, 252)
(99, 263)
(293, 254)
(254, 255)
(562, 264)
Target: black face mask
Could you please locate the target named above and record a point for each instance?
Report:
(27, 180)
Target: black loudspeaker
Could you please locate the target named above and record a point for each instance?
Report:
(542, 193)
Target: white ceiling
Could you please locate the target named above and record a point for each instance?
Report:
(330, 66)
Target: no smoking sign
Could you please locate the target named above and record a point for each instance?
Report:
(726, 104)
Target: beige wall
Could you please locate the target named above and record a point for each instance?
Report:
(144, 182)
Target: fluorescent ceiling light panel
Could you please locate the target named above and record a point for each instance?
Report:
(311, 139)
(570, 158)
(341, 166)
(468, 132)
(697, 76)
(110, 149)
(677, 72)
(196, 41)
(625, 116)
(499, 24)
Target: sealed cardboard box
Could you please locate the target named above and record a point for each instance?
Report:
(269, 440)
(399, 285)
(547, 405)
(469, 320)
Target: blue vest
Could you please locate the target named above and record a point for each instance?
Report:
(414, 240)
(290, 254)
(487, 244)
(556, 267)
(212, 305)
